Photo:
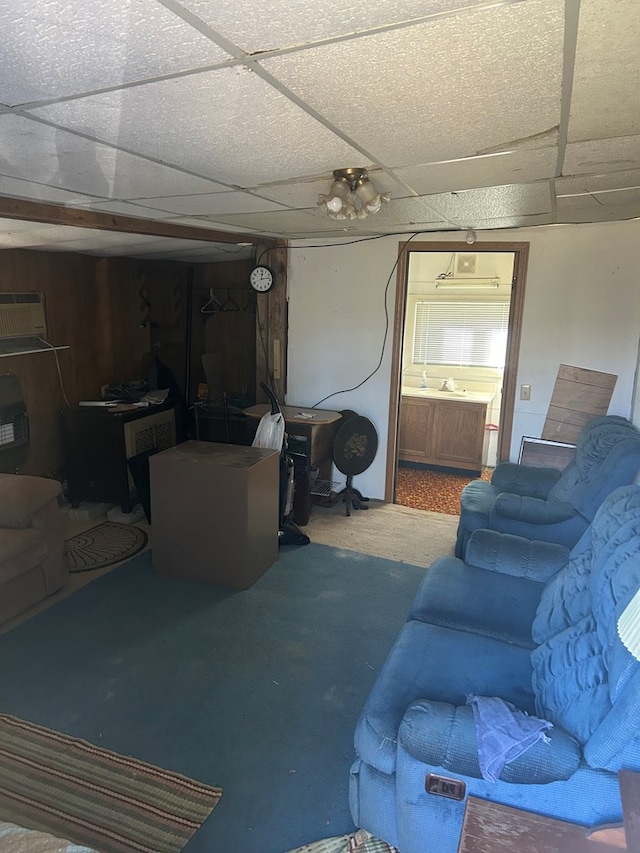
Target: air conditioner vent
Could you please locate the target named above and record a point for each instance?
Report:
(22, 314)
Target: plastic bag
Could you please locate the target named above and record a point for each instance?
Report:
(270, 432)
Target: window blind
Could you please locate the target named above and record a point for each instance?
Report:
(461, 333)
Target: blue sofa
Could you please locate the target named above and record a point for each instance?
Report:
(549, 505)
(532, 624)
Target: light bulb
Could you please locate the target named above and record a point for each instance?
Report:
(471, 237)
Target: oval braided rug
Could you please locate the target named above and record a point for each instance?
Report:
(103, 545)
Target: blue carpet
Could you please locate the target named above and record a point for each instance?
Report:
(257, 692)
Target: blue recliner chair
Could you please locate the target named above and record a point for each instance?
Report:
(548, 505)
(530, 624)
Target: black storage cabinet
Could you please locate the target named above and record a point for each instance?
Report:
(98, 443)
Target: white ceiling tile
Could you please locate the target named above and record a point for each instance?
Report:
(612, 198)
(489, 224)
(604, 100)
(39, 192)
(407, 212)
(604, 155)
(202, 222)
(124, 208)
(52, 48)
(417, 89)
(467, 206)
(516, 167)
(278, 222)
(229, 125)
(48, 155)
(576, 202)
(593, 183)
(212, 203)
(599, 213)
(258, 25)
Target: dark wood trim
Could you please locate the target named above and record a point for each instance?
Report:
(53, 214)
(272, 321)
(521, 252)
(396, 367)
(516, 310)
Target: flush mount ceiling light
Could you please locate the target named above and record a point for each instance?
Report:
(352, 195)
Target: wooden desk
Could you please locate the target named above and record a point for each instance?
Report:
(311, 433)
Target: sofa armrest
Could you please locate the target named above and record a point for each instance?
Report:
(513, 555)
(23, 496)
(443, 735)
(525, 480)
(532, 510)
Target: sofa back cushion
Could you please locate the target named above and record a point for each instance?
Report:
(566, 598)
(583, 669)
(592, 565)
(607, 456)
(570, 680)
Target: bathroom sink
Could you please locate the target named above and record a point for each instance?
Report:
(437, 394)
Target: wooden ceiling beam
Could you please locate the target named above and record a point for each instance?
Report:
(53, 214)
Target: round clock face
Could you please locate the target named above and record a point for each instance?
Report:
(261, 279)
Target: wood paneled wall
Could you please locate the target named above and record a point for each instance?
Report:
(228, 335)
(115, 314)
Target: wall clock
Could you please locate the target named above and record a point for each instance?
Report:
(261, 279)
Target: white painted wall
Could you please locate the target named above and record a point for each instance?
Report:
(582, 307)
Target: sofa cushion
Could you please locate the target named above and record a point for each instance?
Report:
(431, 662)
(456, 595)
(570, 679)
(566, 598)
(21, 551)
(21, 496)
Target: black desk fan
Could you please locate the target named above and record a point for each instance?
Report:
(354, 448)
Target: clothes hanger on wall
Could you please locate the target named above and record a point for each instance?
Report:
(216, 306)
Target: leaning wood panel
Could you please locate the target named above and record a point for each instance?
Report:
(579, 395)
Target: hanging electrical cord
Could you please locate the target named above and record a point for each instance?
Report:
(386, 309)
(386, 326)
(272, 381)
(55, 352)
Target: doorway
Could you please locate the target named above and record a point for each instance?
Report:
(452, 397)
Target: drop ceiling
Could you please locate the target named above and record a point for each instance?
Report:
(230, 116)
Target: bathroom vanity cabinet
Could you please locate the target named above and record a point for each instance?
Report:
(447, 433)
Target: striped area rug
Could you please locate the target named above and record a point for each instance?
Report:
(64, 786)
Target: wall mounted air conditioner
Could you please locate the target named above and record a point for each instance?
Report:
(22, 314)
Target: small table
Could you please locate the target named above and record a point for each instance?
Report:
(311, 433)
(490, 827)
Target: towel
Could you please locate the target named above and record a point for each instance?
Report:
(503, 732)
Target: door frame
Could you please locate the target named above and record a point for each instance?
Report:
(516, 308)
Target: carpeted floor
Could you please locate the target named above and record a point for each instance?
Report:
(437, 491)
(250, 691)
